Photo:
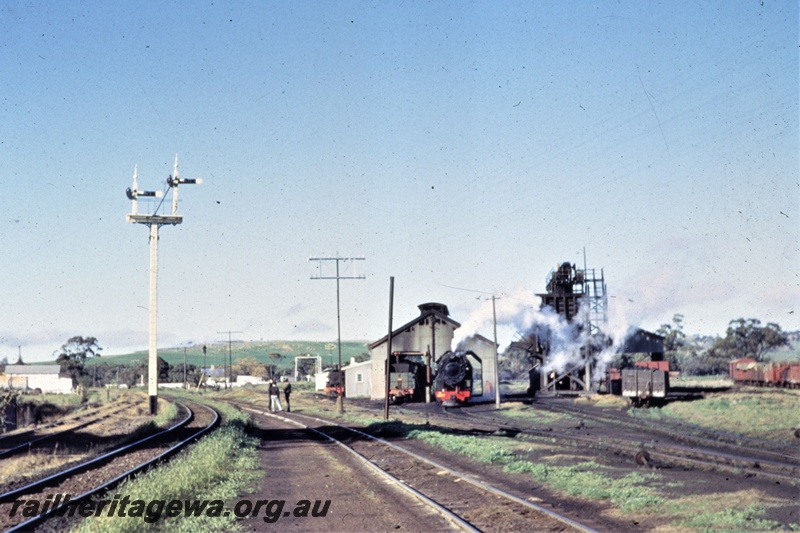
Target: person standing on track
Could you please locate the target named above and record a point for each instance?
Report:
(287, 390)
(274, 399)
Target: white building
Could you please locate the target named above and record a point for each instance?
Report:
(46, 378)
(483, 377)
(356, 379)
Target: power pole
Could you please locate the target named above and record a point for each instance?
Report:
(229, 369)
(337, 277)
(496, 364)
(388, 350)
(155, 221)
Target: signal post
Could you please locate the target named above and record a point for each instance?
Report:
(155, 221)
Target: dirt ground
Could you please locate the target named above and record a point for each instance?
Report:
(679, 486)
(299, 465)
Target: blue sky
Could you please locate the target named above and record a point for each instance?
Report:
(472, 145)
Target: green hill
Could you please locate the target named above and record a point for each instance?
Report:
(217, 354)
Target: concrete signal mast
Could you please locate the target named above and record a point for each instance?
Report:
(155, 220)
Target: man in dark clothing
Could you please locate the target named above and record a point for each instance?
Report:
(287, 390)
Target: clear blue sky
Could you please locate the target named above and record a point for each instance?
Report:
(466, 144)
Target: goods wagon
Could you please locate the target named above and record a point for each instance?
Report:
(645, 386)
(748, 371)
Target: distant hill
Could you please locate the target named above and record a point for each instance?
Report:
(217, 353)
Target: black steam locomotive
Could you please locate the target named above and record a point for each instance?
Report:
(453, 381)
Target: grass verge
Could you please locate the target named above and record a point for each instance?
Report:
(769, 415)
(217, 469)
(586, 479)
(634, 493)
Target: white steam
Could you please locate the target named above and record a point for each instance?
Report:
(517, 315)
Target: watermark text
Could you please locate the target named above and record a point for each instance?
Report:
(152, 511)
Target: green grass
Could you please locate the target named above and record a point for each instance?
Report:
(634, 493)
(167, 411)
(220, 466)
(772, 415)
(593, 481)
(730, 520)
(480, 449)
(586, 479)
(728, 512)
(532, 414)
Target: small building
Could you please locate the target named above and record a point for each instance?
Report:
(214, 375)
(249, 380)
(320, 380)
(642, 341)
(483, 373)
(356, 379)
(430, 333)
(46, 378)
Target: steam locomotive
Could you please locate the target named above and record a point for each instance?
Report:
(453, 381)
(335, 384)
(407, 380)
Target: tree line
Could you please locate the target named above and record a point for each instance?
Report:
(693, 356)
(74, 354)
(743, 338)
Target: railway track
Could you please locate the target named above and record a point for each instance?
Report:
(84, 481)
(739, 451)
(25, 441)
(687, 432)
(466, 502)
(656, 454)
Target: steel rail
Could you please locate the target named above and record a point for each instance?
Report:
(28, 444)
(28, 525)
(469, 479)
(58, 476)
(22, 432)
(669, 452)
(443, 511)
(724, 439)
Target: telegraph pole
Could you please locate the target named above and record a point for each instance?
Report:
(155, 221)
(388, 350)
(337, 277)
(496, 364)
(229, 372)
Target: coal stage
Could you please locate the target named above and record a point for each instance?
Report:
(569, 349)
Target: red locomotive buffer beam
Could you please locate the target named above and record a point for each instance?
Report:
(459, 396)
